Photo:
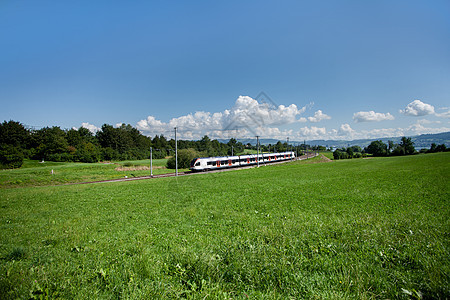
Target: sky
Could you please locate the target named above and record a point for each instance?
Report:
(277, 69)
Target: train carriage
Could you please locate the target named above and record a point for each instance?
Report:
(223, 162)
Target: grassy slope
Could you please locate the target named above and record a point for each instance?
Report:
(34, 173)
(375, 228)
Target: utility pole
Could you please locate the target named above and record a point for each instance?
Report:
(231, 150)
(176, 153)
(306, 149)
(257, 150)
(151, 161)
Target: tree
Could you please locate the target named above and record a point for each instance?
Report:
(279, 147)
(433, 148)
(232, 147)
(349, 151)
(377, 148)
(441, 148)
(51, 144)
(408, 145)
(185, 156)
(10, 157)
(391, 146)
(205, 144)
(356, 148)
(337, 154)
(14, 134)
(437, 148)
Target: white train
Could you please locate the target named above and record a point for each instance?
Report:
(222, 162)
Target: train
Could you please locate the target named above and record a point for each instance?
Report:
(223, 162)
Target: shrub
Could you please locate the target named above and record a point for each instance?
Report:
(185, 156)
(357, 155)
(10, 158)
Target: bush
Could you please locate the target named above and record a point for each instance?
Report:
(185, 156)
(340, 154)
(109, 154)
(10, 158)
(357, 155)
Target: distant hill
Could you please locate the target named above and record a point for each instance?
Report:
(420, 141)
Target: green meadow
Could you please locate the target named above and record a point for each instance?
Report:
(34, 173)
(350, 229)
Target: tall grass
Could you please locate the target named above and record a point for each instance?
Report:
(375, 228)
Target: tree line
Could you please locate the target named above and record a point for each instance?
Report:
(109, 143)
(378, 148)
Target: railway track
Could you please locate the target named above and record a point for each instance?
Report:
(190, 172)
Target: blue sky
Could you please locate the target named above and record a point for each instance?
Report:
(329, 69)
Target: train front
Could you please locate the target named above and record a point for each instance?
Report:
(196, 165)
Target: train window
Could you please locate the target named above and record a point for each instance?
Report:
(197, 164)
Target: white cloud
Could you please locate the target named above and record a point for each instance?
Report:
(380, 133)
(347, 133)
(417, 129)
(247, 116)
(346, 130)
(152, 125)
(319, 116)
(371, 116)
(425, 121)
(445, 114)
(418, 108)
(92, 128)
(311, 133)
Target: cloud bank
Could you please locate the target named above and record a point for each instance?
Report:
(247, 117)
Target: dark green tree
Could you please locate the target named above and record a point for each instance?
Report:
(377, 148)
(442, 148)
(185, 156)
(51, 144)
(15, 134)
(408, 145)
(349, 151)
(10, 157)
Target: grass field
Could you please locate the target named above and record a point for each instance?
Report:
(34, 173)
(351, 229)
